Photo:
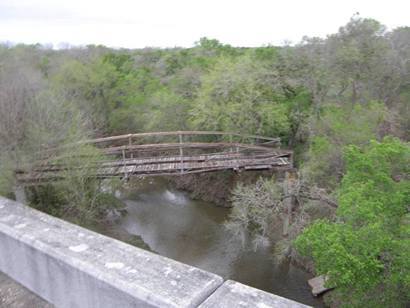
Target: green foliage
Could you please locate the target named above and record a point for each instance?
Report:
(88, 87)
(358, 56)
(78, 196)
(364, 251)
(239, 95)
(337, 127)
(53, 121)
(121, 62)
(168, 112)
(216, 47)
(268, 54)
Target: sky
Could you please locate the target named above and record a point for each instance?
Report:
(170, 23)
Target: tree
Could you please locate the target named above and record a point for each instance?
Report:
(213, 46)
(89, 87)
(78, 196)
(357, 55)
(168, 112)
(306, 65)
(239, 95)
(273, 210)
(364, 252)
(399, 87)
(255, 207)
(20, 82)
(337, 127)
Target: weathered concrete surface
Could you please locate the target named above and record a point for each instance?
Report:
(234, 294)
(14, 295)
(70, 266)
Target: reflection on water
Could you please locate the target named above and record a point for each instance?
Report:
(173, 225)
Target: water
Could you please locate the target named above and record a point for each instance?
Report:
(171, 224)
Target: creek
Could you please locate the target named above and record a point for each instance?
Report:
(170, 223)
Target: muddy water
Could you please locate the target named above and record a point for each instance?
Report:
(171, 224)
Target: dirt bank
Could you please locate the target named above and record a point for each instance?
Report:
(215, 187)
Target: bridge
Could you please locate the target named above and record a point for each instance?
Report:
(164, 153)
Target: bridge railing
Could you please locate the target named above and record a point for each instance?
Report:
(161, 142)
(210, 136)
(181, 141)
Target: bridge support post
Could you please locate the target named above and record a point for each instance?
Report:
(20, 193)
(124, 165)
(129, 144)
(181, 153)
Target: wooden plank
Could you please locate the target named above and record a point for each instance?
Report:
(29, 179)
(121, 169)
(135, 161)
(258, 167)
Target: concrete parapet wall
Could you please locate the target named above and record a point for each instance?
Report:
(70, 266)
(234, 294)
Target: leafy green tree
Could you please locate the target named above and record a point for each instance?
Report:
(168, 112)
(357, 56)
(364, 252)
(337, 127)
(78, 196)
(240, 95)
(213, 46)
(398, 85)
(89, 87)
(306, 65)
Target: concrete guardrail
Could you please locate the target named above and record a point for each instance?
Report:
(70, 266)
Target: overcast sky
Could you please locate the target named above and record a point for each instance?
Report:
(169, 23)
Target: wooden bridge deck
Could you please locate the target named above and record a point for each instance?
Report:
(129, 159)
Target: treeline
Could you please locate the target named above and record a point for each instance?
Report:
(291, 92)
(321, 96)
